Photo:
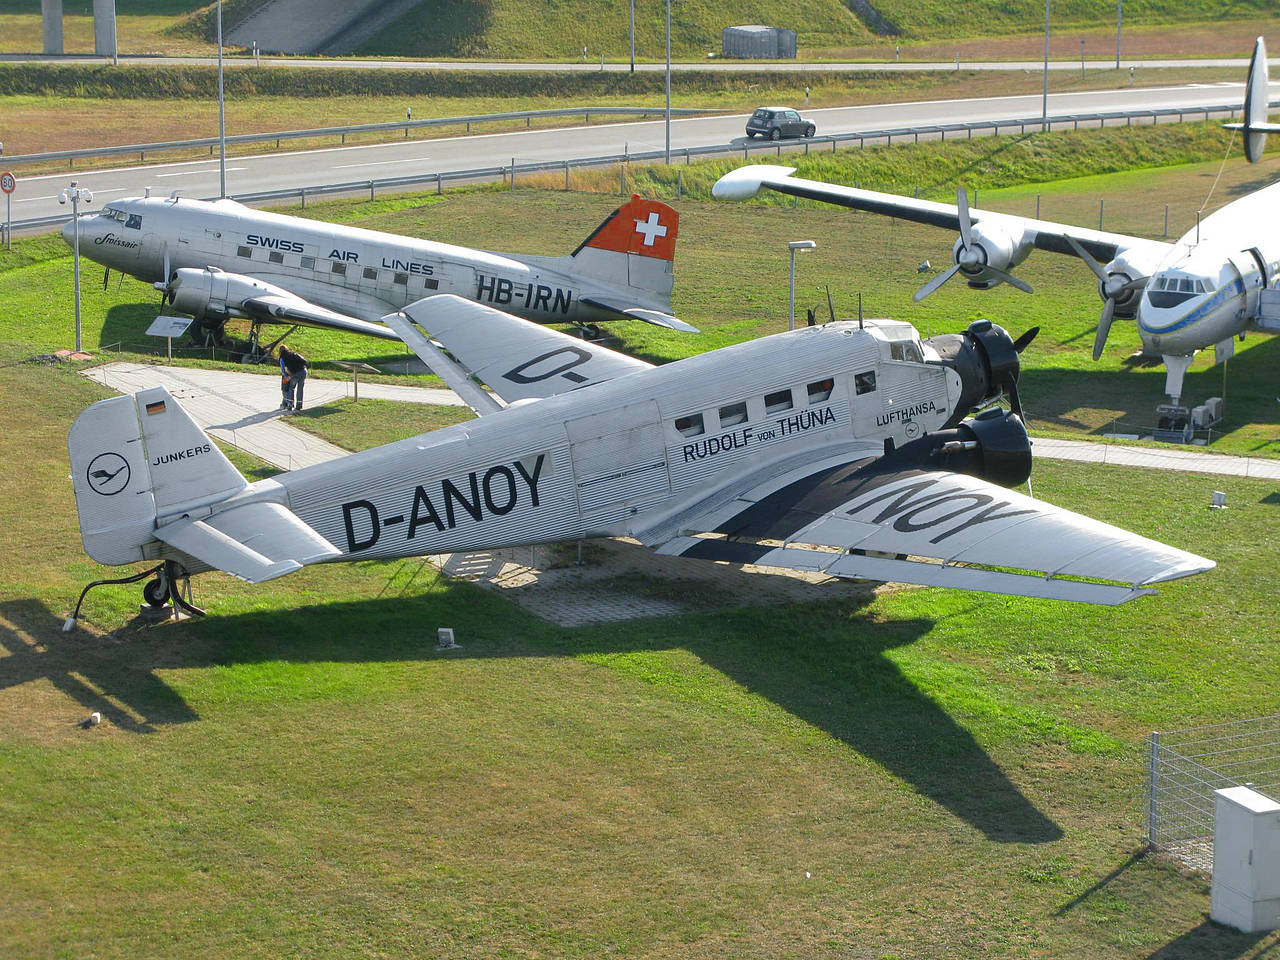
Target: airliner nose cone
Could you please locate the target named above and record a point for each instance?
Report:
(68, 233)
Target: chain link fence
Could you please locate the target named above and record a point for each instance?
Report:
(1185, 767)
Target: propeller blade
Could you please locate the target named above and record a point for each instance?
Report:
(962, 209)
(1010, 279)
(1024, 341)
(1015, 403)
(935, 282)
(1084, 255)
(1104, 327)
(1135, 284)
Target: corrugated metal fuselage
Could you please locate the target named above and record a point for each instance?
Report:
(602, 460)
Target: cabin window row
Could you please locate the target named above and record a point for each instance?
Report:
(734, 414)
(340, 269)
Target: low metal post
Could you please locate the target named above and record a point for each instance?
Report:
(1166, 221)
(566, 176)
(513, 173)
(439, 188)
(303, 191)
(679, 184)
(1037, 206)
(1102, 206)
(370, 189)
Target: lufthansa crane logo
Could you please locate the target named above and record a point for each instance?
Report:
(108, 474)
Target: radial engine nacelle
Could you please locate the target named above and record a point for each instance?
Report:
(214, 293)
(992, 249)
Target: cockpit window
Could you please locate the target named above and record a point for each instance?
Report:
(134, 222)
(1186, 286)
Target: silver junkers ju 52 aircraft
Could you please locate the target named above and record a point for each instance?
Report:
(219, 259)
(845, 449)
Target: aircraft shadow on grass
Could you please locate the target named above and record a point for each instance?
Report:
(836, 679)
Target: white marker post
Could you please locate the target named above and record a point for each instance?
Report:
(8, 183)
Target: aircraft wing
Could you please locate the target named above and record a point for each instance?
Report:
(516, 358)
(286, 308)
(926, 527)
(656, 317)
(746, 182)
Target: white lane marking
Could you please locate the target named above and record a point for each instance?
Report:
(379, 163)
(192, 173)
(96, 193)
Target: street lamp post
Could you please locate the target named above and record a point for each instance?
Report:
(77, 195)
(1044, 122)
(668, 82)
(802, 246)
(633, 36)
(222, 117)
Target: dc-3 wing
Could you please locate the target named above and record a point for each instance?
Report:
(746, 182)
(516, 358)
(275, 308)
(925, 527)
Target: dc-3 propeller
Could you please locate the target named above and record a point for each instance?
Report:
(1113, 286)
(970, 258)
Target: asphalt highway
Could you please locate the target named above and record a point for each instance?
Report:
(37, 196)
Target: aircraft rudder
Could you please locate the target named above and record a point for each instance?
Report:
(1255, 103)
(647, 228)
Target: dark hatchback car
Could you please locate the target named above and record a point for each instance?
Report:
(778, 122)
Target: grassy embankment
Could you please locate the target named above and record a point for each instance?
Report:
(923, 774)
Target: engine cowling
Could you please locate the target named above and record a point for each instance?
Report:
(1121, 272)
(993, 446)
(990, 245)
(985, 358)
(215, 294)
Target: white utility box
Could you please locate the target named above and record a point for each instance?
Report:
(1246, 860)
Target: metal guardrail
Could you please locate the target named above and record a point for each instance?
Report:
(406, 125)
(746, 147)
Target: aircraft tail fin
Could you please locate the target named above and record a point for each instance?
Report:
(147, 478)
(634, 251)
(1255, 126)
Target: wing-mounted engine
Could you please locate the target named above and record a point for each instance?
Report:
(992, 250)
(984, 252)
(993, 446)
(215, 294)
(1120, 284)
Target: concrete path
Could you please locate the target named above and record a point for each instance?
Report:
(242, 409)
(1156, 458)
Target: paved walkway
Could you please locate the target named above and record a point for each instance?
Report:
(242, 409)
(1156, 458)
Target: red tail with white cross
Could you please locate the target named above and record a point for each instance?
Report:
(639, 226)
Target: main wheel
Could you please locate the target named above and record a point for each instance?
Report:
(751, 134)
(156, 592)
(810, 130)
(775, 134)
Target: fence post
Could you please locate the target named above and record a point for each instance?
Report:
(439, 188)
(1102, 206)
(1166, 221)
(566, 176)
(679, 184)
(1037, 206)
(513, 173)
(370, 189)
(303, 191)
(1152, 828)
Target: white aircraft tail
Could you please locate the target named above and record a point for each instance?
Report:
(1255, 126)
(149, 481)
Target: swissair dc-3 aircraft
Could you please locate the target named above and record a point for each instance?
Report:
(220, 259)
(843, 448)
(1205, 289)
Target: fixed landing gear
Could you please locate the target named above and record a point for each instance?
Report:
(590, 331)
(172, 583)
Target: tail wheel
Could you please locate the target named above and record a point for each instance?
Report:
(775, 134)
(156, 592)
(810, 130)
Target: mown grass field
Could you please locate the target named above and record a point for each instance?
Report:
(921, 774)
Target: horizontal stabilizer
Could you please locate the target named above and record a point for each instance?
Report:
(518, 359)
(656, 317)
(443, 366)
(255, 542)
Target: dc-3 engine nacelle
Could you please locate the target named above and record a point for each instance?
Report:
(991, 245)
(213, 293)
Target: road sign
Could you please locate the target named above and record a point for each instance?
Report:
(8, 182)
